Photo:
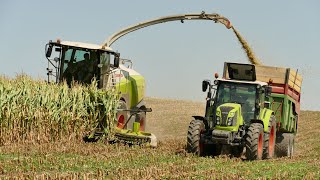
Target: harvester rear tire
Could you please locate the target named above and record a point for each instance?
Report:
(270, 139)
(122, 116)
(285, 145)
(194, 144)
(254, 141)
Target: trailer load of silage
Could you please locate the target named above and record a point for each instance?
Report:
(36, 111)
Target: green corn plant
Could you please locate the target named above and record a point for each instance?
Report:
(36, 111)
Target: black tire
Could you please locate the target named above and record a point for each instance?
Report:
(254, 142)
(194, 144)
(270, 139)
(121, 115)
(285, 145)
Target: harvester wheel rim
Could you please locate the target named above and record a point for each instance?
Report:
(120, 121)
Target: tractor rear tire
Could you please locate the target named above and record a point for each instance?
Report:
(284, 145)
(194, 144)
(270, 139)
(254, 141)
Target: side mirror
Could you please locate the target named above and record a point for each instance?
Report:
(116, 61)
(49, 50)
(205, 85)
(268, 90)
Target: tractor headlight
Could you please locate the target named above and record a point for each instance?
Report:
(218, 120)
(230, 121)
(218, 113)
(231, 114)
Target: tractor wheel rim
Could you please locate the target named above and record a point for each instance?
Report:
(120, 121)
(271, 141)
(260, 146)
(201, 145)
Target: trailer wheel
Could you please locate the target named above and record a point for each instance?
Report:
(194, 144)
(285, 145)
(270, 139)
(254, 142)
(122, 116)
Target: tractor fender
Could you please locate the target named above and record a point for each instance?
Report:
(203, 119)
(264, 118)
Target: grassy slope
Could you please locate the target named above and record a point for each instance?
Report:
(169, 121)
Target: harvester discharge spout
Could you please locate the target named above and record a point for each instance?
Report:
(180, 17)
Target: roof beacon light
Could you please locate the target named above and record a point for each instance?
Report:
(216, 75)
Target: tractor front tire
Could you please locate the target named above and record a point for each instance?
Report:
(284, 145)
(194, 144)
(254, 142)
(270, 139)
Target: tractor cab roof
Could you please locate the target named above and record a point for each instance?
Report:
(244, 82)
(82, 45)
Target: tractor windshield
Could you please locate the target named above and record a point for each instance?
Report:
(240, 93)
(82, 65)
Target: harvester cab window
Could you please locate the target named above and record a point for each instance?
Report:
(80, 65)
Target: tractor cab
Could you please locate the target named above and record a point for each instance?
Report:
(80, 62)
(237, 98)
(236, 102)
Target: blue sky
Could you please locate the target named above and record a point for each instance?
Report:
(173, 57)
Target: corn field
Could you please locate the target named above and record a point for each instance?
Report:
(35, 111)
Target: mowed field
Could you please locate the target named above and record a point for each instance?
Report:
(169, 121)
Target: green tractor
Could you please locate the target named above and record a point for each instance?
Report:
(238, 119)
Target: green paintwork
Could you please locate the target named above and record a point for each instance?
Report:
(234, 113)
(133, 86)
(265, 116)
(283, 106)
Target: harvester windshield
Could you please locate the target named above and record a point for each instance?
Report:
(80, 62)
(82, 66)
(240, 93)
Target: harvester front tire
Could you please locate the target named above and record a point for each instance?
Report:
(254, 142)
(194, 144)
(284, 145)
(270, 139)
